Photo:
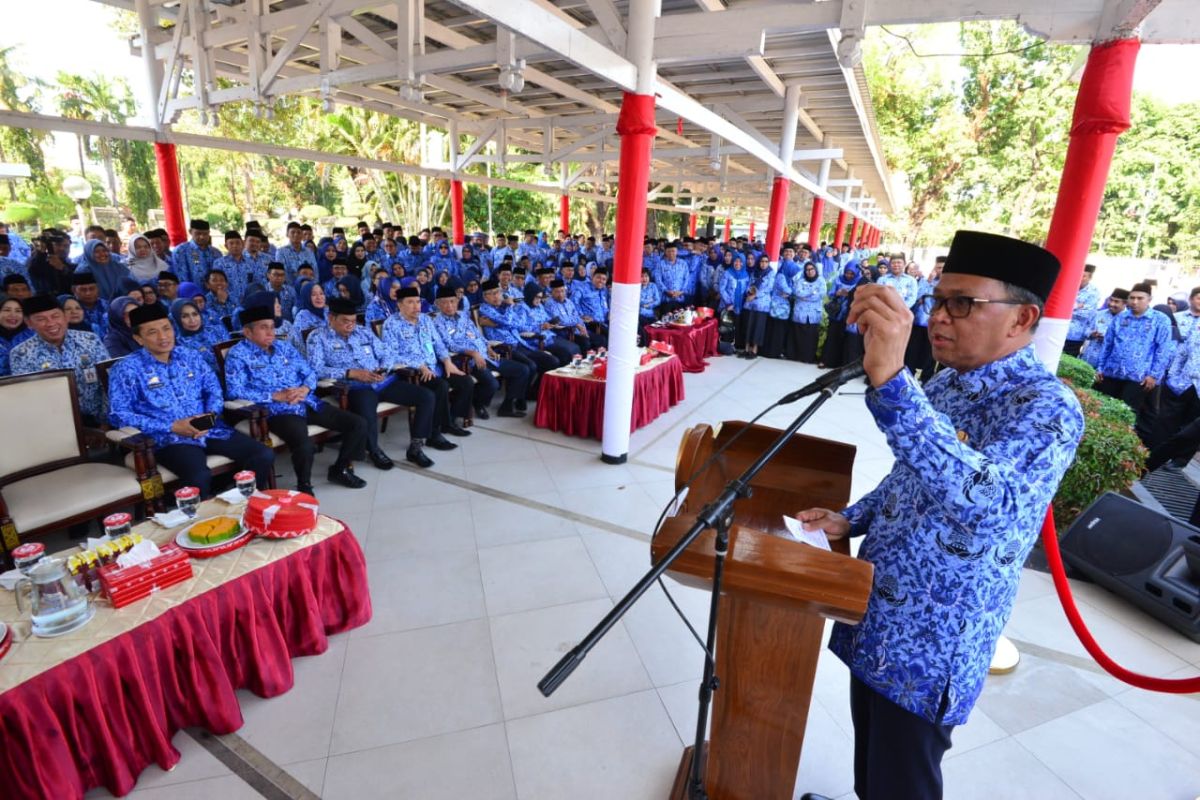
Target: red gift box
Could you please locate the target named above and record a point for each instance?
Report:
(647, 357)
(124, 585)
(600, 370)
(666, 348)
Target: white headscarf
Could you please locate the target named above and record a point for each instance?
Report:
(144, 269)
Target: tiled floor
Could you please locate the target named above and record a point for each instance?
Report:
(487, 569)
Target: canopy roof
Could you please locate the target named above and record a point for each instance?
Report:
(543, 79)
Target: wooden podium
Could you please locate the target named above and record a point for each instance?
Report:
(775, 595)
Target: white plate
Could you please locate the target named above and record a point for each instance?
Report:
(183, 541)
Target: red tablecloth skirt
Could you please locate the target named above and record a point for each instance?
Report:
(692, 344)
(102, 717)
(575, 406)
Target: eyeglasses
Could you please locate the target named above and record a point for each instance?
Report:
(957, 306)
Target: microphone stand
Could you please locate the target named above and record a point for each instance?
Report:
(718, 515)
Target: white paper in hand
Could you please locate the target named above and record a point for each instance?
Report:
(815, 538)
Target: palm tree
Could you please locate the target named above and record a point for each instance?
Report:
(99, 100)
(20, 144)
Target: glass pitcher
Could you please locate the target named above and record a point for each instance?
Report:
(56, 600)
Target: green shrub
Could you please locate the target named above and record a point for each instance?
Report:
(1076, 372)
(1110, 457)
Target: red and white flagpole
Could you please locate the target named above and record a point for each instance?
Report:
(635, 126)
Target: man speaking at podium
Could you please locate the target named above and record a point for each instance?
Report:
(979, 452)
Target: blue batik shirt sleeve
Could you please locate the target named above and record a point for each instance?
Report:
(1164, 346)
(986, 488)
(781, 297)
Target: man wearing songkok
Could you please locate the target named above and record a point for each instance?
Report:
(295, 253)
(240, 270)
(1083, 315)
(906, 285)
(1137, 348)
(168, 287)
(415, 343)
(87, 292)
(1095, 341)
(462, 336)
(675, 280)
(272, 373)
(57, 347)
(194, 258)
(343, 351)
(567, 318)
(170, 394)
(592, 301)
(502, 322)
(979, 453)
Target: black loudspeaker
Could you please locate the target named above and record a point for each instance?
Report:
(1150, 559)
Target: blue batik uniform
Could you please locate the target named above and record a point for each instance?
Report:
(215, 310)
(734, 283)
(287, 300)
(651, 263)
(781, 297)
(905, 285)
(445, 264)
(1135, 347)
(979, 456)
(254, 374)
(412, 261)
(1187, 323)
(6, 348)
(649, 299)
(675, 277)
(190, 263)
(508, 325)
(378, 309)
(498, 254)
(708, 275)
(201, 343)
(331, 354)
(534, 252)
(1093, 348)
(566, 311)
(809, 299)
(292, 259)
(13, 266)
(1083, 316)
(20, 248)
(788, 268)
(763, 282)
(515, 291)
(305, 320)
(240, 274)
(415, 344)
(146, 394)
(459, 333)
(80, 351)
(920, 315)
(593, 302)
(1183, 373)
(532, 319)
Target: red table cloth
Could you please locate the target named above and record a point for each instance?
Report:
(574, 404)
(100, 718)
(692, 344)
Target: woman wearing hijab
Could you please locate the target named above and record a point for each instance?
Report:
(350, 288)
(778, 339)
(473, 293)
(191, 333)
(76, 318)
(838, 306)
(119, 340)
(535, 319)
(757, 303)
(327, 253)
(469, 265)
(97, 260)
(649, 299)
(143, 264)
(312, 314)
(808, 293)
(13, 330)
(735, 280)
(356, 259)
(444, 260)
(384, 304)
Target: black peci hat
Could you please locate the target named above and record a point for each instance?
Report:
(1003, 258)
(256, 314)
(147, 313)
(39, 303)
(408, 291)
(338, 305)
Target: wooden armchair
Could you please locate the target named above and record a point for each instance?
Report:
(46, 479)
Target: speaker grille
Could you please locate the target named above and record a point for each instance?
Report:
(1121, 543)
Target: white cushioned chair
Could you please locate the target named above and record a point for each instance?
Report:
(46, 480)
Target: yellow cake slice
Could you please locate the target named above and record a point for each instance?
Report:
(212, 531)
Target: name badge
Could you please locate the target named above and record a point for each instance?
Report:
(89, 375)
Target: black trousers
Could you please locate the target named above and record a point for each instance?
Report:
(1072, 348)
(516, 382)
(897, 755)
(363, 402)
(457, 404)
(1131, 392)
(563, 350)
(1175, 411)
(188, 461)
(293, 429)
(1183, 444)
(537, 360)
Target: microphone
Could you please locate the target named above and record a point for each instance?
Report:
(831, 381)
